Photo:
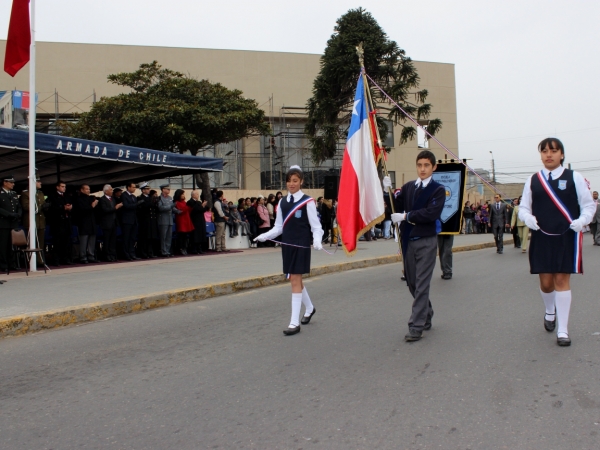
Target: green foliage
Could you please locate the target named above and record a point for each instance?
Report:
(330, 107)
(168, 110)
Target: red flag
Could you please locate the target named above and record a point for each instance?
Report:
(19, 38)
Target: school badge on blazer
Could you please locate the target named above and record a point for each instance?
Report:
(562, 184)
(298, 214)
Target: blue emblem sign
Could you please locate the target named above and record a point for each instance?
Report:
(562, 184)
(451, 182)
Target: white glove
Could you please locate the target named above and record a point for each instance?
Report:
(387, 183)
(398, 217)
(531, 223)
(577, 225)
(261, 237)
(317, 245)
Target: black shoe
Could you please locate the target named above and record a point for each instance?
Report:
(413, 335)
(500, 251)
(403, 278)
(563, 341)
(306, 319)
(446, 276)
(84, 261)
(427, 326)
(292, 331)
(549, 325)
(92, 260)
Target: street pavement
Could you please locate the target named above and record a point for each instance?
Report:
(70, 287)
(220, 374)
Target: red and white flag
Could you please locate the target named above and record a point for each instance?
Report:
(360, 199)
(19, 38)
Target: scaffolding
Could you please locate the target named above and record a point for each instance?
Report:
(288, 146)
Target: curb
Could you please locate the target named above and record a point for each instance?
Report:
(47, 320)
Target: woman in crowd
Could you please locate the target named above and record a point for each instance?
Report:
(182, 221)
(197, 210)
(264, 224)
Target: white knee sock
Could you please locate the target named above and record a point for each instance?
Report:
(563, 307)
(307, 303)
(296, 305)
(549, 302)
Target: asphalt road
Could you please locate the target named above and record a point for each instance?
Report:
(220, 373)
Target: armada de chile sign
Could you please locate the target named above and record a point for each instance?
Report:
(108, 151)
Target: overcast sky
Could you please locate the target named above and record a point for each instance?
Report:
(525, 69)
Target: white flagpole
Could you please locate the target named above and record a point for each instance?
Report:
(32, 111)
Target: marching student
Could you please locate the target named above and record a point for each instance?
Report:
(556, 205)
(422, 202)
(296, 218)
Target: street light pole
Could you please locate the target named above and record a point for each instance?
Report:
(493, 168)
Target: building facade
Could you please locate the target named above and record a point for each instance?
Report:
(71, 76)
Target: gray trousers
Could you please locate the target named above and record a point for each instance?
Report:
(594, 232)
(87, 246)
(445, 243)
(419, 262)
(165, 234)
(498, 231)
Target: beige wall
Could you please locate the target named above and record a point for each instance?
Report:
(76, 70)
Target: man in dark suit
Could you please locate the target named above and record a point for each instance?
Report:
(59, 218)
(10, 213)
(108, 222)
(129, 222)
(498, 220)
(85, 217)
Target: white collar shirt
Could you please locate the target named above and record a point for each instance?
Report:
(425, 182)
(297, 196)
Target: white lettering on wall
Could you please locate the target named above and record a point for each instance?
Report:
(69, 145)
(78, 147)
(59, 145)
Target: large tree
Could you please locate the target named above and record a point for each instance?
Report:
(329, 109)
(167, 110)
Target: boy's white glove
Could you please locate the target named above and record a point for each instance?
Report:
(317, 245)
(577, 225)
(261, 237)
(387, 183)
(531, 223)
(398, 217)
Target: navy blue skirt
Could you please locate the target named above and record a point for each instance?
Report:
(296, 260)
(553, 254)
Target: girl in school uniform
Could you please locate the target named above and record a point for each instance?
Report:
(556, 204)
(296, 219)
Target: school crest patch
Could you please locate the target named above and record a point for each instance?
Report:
(298, 214)
(562, 184)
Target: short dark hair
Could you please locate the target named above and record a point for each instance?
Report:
(427, 154)
(59, 182)
(553, 143)
(130, 183)
(82, 186)
(219, 194)
(294, 171)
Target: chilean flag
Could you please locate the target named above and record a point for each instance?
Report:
(360, 199)
(19, 38)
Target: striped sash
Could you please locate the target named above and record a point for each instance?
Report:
(296, 208)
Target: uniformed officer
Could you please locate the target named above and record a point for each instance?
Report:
(147, 222)
(10, 213)
(40, 206)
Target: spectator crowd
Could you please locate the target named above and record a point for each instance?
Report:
(76, 226)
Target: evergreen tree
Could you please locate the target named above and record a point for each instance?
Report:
(330, 108)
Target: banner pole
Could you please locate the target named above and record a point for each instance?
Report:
(32, 119)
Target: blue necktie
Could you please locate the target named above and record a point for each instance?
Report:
(549, 176)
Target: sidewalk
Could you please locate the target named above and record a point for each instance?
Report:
(71, 295)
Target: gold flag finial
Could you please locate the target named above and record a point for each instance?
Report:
(361, 54)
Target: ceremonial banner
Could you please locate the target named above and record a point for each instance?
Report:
(360, 199)
(452, 177)
(19, 38)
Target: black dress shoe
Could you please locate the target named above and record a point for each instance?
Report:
(306, 319)
(447, 276)
(500, 251)
(403, 278)
(549, 325)
(563, 341)
(135, 258)
(413, 335)
(427, 326)
(84, 261)
(291, 331)
(92, 260)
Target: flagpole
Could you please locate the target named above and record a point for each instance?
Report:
(360, 51)
(32, 114)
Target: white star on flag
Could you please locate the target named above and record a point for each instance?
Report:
(354, 111)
